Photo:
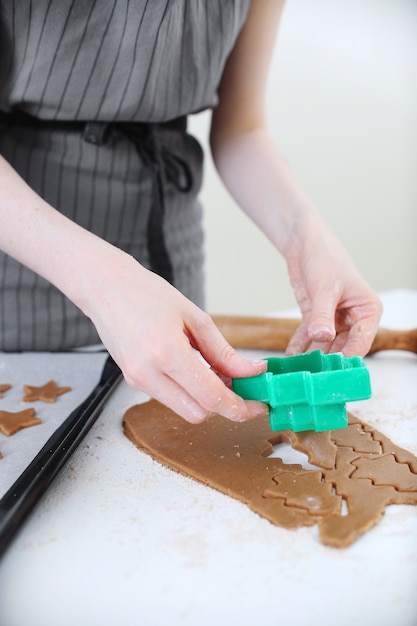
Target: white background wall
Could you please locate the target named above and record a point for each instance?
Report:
(342, 106)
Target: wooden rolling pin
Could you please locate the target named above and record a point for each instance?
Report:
(274, 333)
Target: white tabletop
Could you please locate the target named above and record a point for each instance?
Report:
(119, 539)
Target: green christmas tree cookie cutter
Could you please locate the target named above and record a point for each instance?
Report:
(308, 391)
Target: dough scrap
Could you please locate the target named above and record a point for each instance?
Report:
(360, 471)
(4, 388)
(47, 393)
(10, 423)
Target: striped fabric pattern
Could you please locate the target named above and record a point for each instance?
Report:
(144, 60)
(105, 60)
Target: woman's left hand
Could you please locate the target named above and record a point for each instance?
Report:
(340, 312)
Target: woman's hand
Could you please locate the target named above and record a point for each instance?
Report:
(340, 312)
(153, 333)
(156, 336)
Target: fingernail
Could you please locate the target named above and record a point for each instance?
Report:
(291, 351)
(259, 363)
(236, 414)
(254, 410)
(321, 333)
(259, 409)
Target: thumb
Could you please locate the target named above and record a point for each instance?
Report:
(231, 364)
(221, 356)
(237, 366)
(321, 326)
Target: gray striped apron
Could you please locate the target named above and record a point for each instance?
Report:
(94, 95)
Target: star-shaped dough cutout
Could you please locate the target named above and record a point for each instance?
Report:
(4, 388)
(47, 393)
(10, 423)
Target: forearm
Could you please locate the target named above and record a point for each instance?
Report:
(259, 179)
(47, 242)
(339, 309)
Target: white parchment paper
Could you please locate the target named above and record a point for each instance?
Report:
(80, 371)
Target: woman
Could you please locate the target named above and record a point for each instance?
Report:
(94, 97)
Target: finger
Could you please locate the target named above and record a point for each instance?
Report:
(321, 327)
(299, 342)
(172, 395)
(208, 390)
(208, 340)
(254, 409)
(226, 380)
(161, 387)
(323, 347)
(153, 381)
(339, 343)
(360, 338)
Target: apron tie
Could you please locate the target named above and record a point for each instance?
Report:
(164, 166)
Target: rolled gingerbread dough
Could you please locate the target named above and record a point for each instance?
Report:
(360, 471)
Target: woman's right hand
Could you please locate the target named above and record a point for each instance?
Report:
(154, 333)
(156, 336)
